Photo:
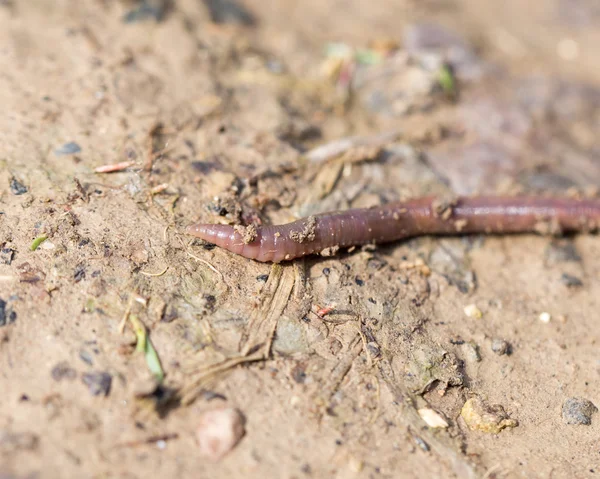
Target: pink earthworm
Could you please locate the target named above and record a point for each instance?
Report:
(326, 232)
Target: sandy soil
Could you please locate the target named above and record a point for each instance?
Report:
(216, 115)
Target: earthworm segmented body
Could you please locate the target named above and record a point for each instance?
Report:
(327, 232)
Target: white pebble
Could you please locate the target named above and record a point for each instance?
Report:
(432, 418)
(545, 317)
(567, 49)
(472, 311)
(47, 245)
(219, 431)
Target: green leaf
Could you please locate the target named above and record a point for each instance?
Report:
(37, 242)
(145, 345)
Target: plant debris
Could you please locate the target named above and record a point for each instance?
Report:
(144, 345)
(37, 242)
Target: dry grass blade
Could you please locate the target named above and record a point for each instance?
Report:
(256, 342)
(274, 299)
(340, 146)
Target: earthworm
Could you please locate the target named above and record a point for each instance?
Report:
(395, 221)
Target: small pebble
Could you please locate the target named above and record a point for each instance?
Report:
(567, 49)
(578, 411)
(432, 418)
(422, 444)
(63, 371)
(472, 311)
(561, 251)
(500, 346)
(47, 245)
(16, 187)
(355, 464)
(229, 12)
(374, 349)
(7, 316)
(471, 352)
(219, 431)
(7, 255)
(79, 273)
(147, 10)
(98, 383)
(571, 281)
(481, 416)
(86, 356)
(68, 149)
(545, 317)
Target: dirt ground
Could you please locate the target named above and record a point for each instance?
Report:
(341, 366)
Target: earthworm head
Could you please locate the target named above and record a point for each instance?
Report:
(247, 244)
(211, 233)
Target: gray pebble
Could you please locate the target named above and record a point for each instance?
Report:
(86, 356)
(98, 383)
(471, 352)
(577, 411)
(16, 187)
(6, 255)
(63, 371)
(571, 281)
(7, 315)
(500, 346)
(70, 148)
(561, 251)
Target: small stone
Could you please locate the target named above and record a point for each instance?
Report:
(571, 281)
(86, 356)
(355, 464)
(68, 149)
(16, 187)
(63, 371)
(6, 255)
(432, 418)
(47, 245)
(374, 349)
(219, 431)
(561, 251)
(11, 443)
(140, 256)
(79, 272)
(290, 337)
(578, 411)
(7, 315)
(98, 383)
(545, 317)
(471, 352)
(484, 417)
(472, 311)
(500, 346)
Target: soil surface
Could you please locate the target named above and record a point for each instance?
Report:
(124, 122)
